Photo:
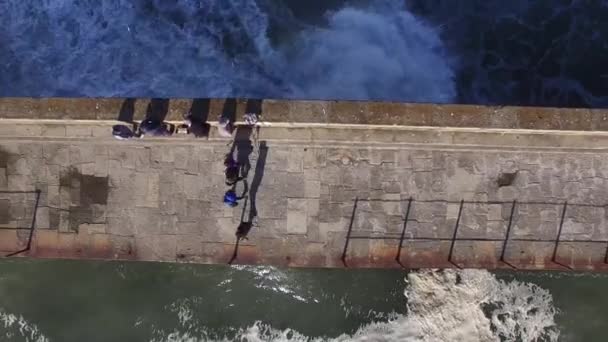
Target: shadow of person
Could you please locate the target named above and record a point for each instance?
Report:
(235, 253)
(241, 233)
(157, 110)
(199, 110)
(196, 118)
(227, 118)
(243, 230)
(243, 146)
(229, 110)
(245, 226)
(126, 115)
(258, 174)
(127, 111)
(154, 122)
(254, 106)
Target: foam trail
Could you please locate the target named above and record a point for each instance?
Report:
(17, 328)
(450, 305)
(273, 279)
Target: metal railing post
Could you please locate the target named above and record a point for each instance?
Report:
(32, 227)
(350, 229)
(455, 234)
(407, 215)
(507, 235)
(559, 234)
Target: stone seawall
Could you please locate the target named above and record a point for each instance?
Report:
(325, 195)
(326, 112)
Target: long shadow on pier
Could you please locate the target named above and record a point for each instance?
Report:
(254, 106)
(241, 232)
(229, 110)
(127, 111)
(199, 110)
(197, 117)
(258, 174)
(243, 147)
(157, 110)
(247, 224)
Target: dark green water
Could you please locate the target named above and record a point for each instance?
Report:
(109, 301)
(98, 301)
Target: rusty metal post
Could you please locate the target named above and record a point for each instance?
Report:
(32, 227)
(606, 254)
(407, 215)
(559, 234)
(455, 234)
(350, 229)
(507, 235)
(29, 240)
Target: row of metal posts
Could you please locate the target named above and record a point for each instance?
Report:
(455, 238)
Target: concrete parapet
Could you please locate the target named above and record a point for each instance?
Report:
(327, 112)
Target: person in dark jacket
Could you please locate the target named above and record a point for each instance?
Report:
(197, 128)
(232, 171)
(122, 132)
(154, 128)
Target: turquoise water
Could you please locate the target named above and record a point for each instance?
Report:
(43, 300)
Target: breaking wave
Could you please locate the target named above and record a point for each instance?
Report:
(468, 305)
(218, 48)
(486, 52)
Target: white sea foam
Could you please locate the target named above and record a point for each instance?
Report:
(18, 328)
(217, 48)
(379, 52)
(276, 280)
(473, 305)
(468, 305)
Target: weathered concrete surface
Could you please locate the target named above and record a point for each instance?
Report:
(346, 112)
(161, 199)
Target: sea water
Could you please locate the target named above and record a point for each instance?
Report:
(46, 300)
(545, 52)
